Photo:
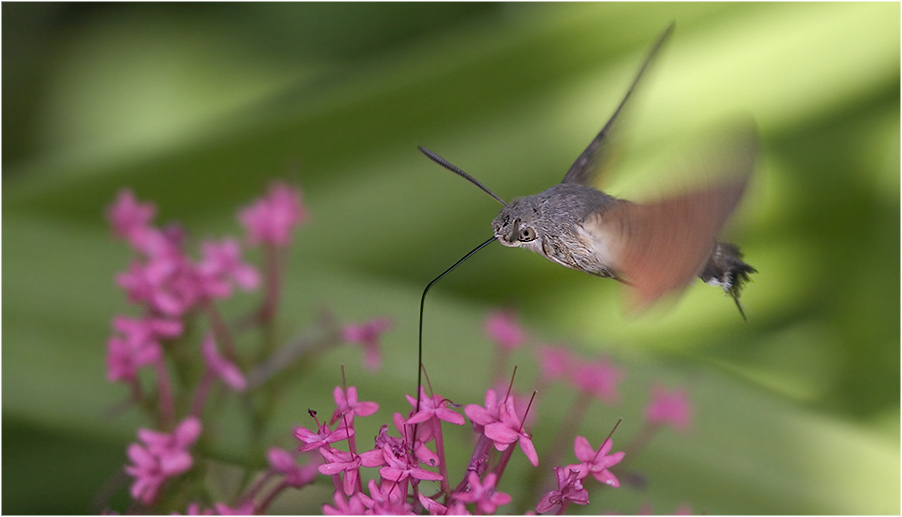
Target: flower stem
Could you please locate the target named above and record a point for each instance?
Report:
(505, 458)
(221, 331)
(352, 443)
(167, 405)
(570, 425)
(252, 492)
(440, 451)
(267, 313)
(270, 497)
(562, 440)
(200, 396)
(478, 461)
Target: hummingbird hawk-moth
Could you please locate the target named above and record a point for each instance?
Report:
(654, 248)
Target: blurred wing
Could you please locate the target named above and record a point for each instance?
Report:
(588, 165)
(661, 246)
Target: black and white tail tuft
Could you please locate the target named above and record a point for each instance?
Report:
(727, 269)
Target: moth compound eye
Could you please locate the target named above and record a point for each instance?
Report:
(527, 234)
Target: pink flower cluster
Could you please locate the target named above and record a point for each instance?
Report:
(502, 328)
(171, 289)
(598, 377)
(272, 219)
(163, 277)
(411, 456)
(367, 334)
(592, 378)
(669, 407)
(404, 460)
(162, 456)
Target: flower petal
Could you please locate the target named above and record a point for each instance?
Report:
(606, 477)
(530, 450)
(423, 474)
(330, 469)
(479, 415)
(500, 433)
(188, 431)
(392, 474)
(582, 449)
(449, 416)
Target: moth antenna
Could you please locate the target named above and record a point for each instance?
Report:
(420, 335)
(456, 170)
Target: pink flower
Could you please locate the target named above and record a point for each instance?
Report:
(138, 346)
(129, 217)
(349, 406)
(595, 462)
(184, 435)
(432, 506)
(221, 264)
(283, 462)
(433, 407)
(599, 378)
(124, 358)
(272, 218)
(168, 282)
(148, 329)
(398, 448)
(340, 461)
(149, 475)
(509, 430)
(161, 457)
(322, 437)
(554, 362)
(373, 458)
(155, 242)
(222, 368)
(570, 490)
(346, 506)
(485, 496)
(172, 284)
(424, 433)
(386, 499)
(521, 401)
(483, 416)
(395, 459)
(669, 407)
(399, 469)
(504, 330)
(367, 334)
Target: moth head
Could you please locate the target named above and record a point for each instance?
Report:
(515, 226)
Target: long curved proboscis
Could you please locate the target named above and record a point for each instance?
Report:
(589, 162)
(456, 170)
(420, 333)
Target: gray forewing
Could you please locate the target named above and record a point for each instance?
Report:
(590, 162)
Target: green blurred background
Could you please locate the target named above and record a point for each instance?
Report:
(198, 106)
